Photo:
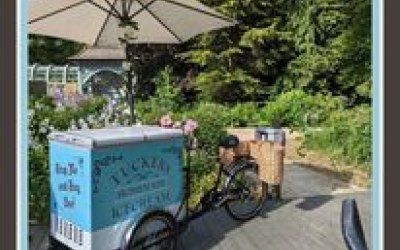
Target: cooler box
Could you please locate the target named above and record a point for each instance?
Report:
(104, 180)
(276, 135)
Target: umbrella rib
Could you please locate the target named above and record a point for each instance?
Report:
(130, 5)
(161, 22)
(199, 10)
(104, 9)
(112, 6)
(103, 26)
(144, 6)
(56, 12)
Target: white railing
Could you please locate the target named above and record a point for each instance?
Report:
(53, 74)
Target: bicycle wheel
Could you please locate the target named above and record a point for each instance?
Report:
(157, 231)
(246, 194)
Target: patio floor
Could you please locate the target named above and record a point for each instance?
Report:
(308, 218)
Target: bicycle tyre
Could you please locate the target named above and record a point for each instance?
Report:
(250, 172)
(166, 235)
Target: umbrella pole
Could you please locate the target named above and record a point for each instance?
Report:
(129, 86)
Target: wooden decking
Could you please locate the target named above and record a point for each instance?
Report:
(308, 218)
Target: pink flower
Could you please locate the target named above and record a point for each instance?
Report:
(166, 121)
(190, 126)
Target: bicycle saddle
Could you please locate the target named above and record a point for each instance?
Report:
(229, 141)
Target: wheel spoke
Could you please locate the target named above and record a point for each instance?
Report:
(156, 233)
(245, 198)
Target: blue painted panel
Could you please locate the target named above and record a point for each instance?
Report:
(101, 187)
(69, 183)
(128, 180)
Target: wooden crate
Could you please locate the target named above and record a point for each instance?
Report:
(244, 134)
(268, 155)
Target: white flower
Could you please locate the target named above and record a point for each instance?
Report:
(90, 119)
(126, 111)
(107, 121)
(115, 123)
(110, 107)
(60, 106)
(31, 113)
(38, 105)
(85, 125)
(43, 130)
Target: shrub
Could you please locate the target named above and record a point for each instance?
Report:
(213, 120)
(167, 94)
(39, 189)
(44, 117)
(203, 174)
(346, 136)
(150, 111)
(166, 100)
(245, 114)
(297, 109)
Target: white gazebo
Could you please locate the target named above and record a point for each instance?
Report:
(99, 64)
(89, 67)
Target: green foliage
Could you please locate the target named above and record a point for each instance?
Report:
(333, 48)
(346, 136)
(47, 50)
(242, 63)
(245, 114)
(39, 188)
(225, 85)
(149, 112)
(320, 46)
(167, 93)
(212, 120)
(45, 117)
(166, 100)
(203, 175)
(297, 109)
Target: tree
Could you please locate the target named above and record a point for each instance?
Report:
(48, 50)
(332, 45)
(241, 63)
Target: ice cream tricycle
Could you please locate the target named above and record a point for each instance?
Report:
(129, 188)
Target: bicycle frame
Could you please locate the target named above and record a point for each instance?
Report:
(196, 213)
(217, 197)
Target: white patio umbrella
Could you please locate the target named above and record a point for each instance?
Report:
(99, 22)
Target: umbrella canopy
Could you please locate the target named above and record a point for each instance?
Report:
(96, 22)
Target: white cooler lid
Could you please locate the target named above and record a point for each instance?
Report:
(114, 135)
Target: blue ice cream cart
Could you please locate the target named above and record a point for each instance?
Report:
(103, 181)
